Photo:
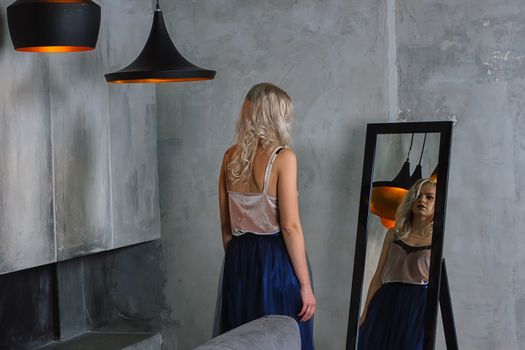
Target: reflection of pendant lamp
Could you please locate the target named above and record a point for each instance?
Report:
(434, 175)
(386, 195)
(387, 223)
(417, 174)
(159, 61)
(53, 25)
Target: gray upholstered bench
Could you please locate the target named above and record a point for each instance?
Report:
(266, 333)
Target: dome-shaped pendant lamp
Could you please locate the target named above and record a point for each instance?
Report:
(387, 195)
(53, 25)
(159, 61)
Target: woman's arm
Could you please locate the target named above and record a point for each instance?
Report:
(291, 227)
(375, 283)
(223, 204)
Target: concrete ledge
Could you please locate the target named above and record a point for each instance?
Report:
(266, 333)
(109, 341)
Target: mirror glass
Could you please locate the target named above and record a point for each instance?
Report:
(392, 281)
(391, 153)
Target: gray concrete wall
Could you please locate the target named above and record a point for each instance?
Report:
(78, 167)
(113, 291)
(331, 57)
(72, 291)
(465, 61)
(26, 190)
(123, 289)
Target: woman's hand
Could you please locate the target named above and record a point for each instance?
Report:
(309, 303)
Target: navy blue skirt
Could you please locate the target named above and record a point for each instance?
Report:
(259, 280)
(395, 318)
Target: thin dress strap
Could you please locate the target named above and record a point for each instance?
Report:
(269, 168)
(225, 170)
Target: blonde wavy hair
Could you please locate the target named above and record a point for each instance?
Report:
(404, 211)
(265, 119)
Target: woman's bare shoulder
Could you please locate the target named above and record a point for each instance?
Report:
(232, 148)
(390, 234)
(287, 156)
(228, 154)
(286, 161)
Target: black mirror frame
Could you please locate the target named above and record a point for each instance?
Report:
(372, 130)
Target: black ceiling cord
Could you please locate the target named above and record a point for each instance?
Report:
(410, 148)
(422, 149)
(417, 174)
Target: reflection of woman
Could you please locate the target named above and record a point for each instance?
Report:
(394, 313)
(265, 267)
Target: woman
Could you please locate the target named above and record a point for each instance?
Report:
(265, 266)
(394, 312)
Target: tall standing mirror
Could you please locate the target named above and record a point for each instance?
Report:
(398, 257)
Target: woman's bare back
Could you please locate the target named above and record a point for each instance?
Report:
(255, 183)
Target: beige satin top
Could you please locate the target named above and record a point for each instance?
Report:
(257, 213)
(406, 263)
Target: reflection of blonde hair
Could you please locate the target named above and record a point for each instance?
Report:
(265, 119)
(404, 211)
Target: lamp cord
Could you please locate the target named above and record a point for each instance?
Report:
(158, 7)
(410, 148)
(422, 149)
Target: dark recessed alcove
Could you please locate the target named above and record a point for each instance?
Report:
(27, 305)
(113, 296)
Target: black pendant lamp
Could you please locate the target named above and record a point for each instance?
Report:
(387, 195)
(53, 25)
(159, 61)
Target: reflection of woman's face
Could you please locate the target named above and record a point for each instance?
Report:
(424, 203)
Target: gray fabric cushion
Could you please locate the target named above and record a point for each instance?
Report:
(273, 332)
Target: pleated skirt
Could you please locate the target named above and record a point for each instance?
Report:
(258, 280)
(395, 318)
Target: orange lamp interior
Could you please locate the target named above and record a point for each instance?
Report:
(388, 224)
(156, 80)
(51, 49)
(384, 203)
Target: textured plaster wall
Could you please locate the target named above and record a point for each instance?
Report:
(331, 57)
(465, 61)
(123, 289)
(78, 160)
(446, 60)
(113, 291)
